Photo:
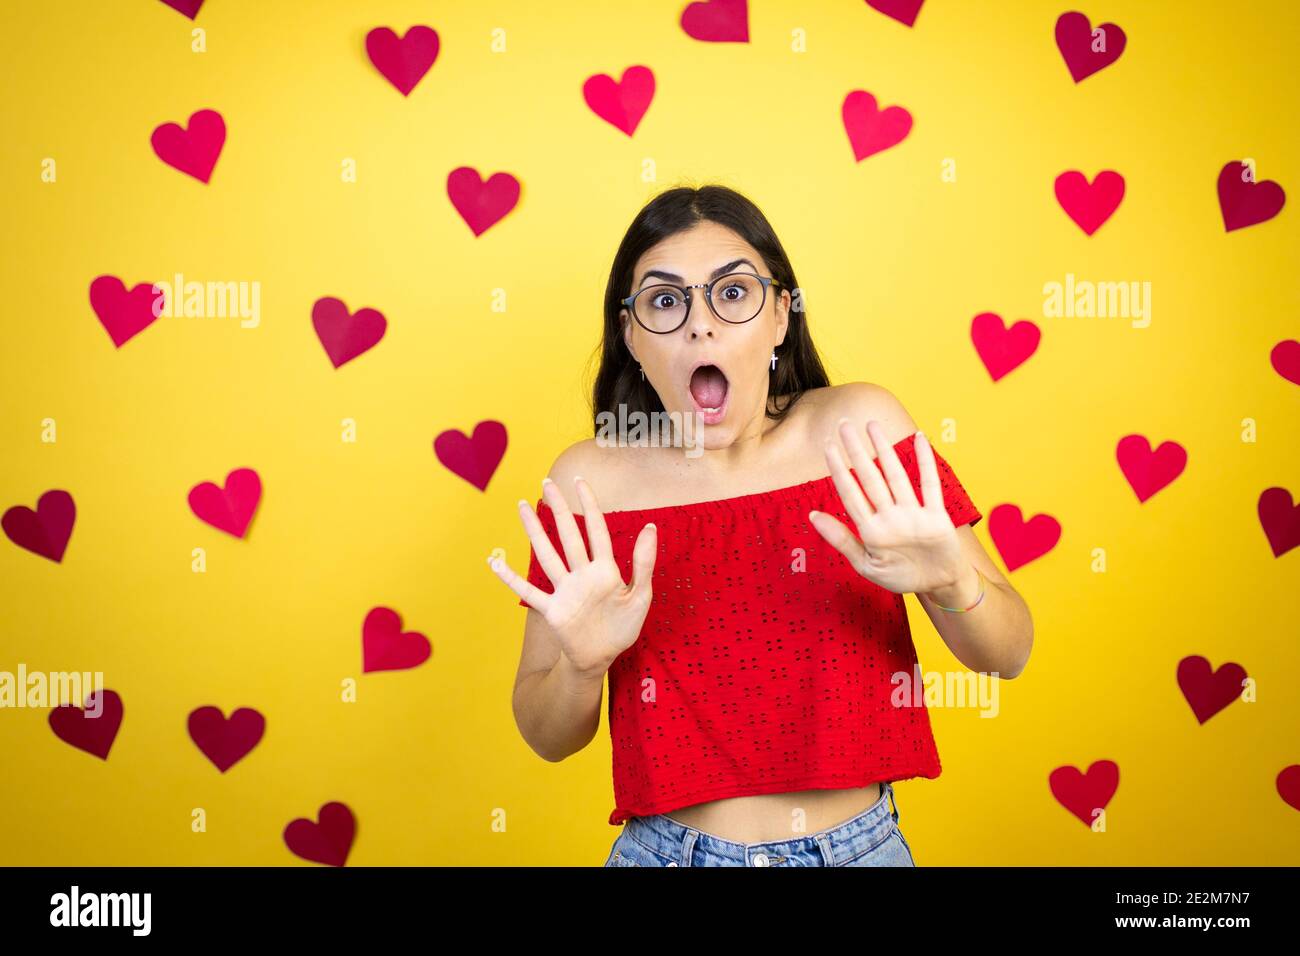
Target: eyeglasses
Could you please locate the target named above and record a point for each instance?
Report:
(664, 308)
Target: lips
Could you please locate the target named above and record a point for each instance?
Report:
(709, 391)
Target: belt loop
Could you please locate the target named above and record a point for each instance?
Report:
(688, 846)
(893, 800)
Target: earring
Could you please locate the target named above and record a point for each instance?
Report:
(642, 373)
(774, 360)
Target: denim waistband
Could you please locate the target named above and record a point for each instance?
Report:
(666, 836)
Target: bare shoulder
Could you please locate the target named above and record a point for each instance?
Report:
(606, 469)
(862, 402)
(583, 458)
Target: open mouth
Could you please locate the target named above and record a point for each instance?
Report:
(709, 391)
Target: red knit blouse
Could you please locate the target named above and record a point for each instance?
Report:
(765, 661)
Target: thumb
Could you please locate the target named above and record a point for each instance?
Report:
(643, 557)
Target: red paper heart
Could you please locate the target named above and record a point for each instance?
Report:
(188, 7)
(46, 530)
(474, 459)
(1286, 360)
(1075, 41)
(1003, 349)
(226, 741)
(1208, 691)
(1148, 471)
(93, 734)
(1089, 204)
(403, 62)
(481, 204)
(1082, 793)
(229, 509)
(124, 314)
(904, 11)
(717, 21)
(386, 647)
(1244, 202)
(621, 103)
(1280, 520)
(343, 334)
(1020, 541)
(871, 130)
(328, 841)
(1288, 785)
(193, 150)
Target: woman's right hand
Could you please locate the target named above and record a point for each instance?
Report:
(594, 614)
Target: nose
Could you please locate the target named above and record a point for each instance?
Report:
(701, 321)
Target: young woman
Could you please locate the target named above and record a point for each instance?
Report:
(746, 600)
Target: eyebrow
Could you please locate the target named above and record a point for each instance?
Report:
(719, 271)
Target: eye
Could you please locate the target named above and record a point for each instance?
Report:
(733, 291)
(658, 300)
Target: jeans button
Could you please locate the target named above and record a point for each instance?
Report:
(673, 863)
(760, 859)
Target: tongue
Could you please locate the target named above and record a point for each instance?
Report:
(709, 386)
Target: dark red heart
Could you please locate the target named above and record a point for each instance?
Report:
(1089, 204)
(621, 103)
(1075, 40)
(1286, 360)
(1082, 793)
(717, 21)
(870, 129)
(193, 150)
(1208, 691)
(188, 7)
(1288, 785)
(229, 509)
(403, 62)
(329, 841)
(1020, 541)
(1244, 202)
(386, 647)
(1280, 519)
(474, 459)
(344, 334)
(124, 314)
(85, 729)
(1003, 349)
(904, 11)
(1148, 471)
(226, 741)
(481, 204)
(46, 530)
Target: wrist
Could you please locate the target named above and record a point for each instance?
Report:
(578, 680)
(961, 591)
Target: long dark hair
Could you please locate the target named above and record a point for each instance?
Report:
(619, 381)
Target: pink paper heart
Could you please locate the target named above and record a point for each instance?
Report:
(386, 647)
(717, 21)
(193, 150)
(474, 459)
(329, 841)
(1288, 785)
(228, 509)
(621, 103)
(1285, 358)
(1082, 793)
(871, 130)
(345, 335)
(225, 741)
(46, 530)
(481, 204)
(1003, 349)
(84, 728)
(1207, 690)
(1075, 40)
(188, 7)
(904, 11)
(1148, 471)
(124, 314)
(1020, 541)
(403, 62)
(1280, 519)
(1244, 202)
(1089, 204)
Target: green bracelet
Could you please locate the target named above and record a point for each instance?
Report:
(977, 600)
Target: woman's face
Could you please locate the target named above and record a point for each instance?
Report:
(740, 354)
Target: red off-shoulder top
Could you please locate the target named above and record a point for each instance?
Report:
(766, 663)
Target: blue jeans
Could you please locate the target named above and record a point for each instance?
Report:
(872, 838)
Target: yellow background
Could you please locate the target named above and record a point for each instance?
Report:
(894, 263)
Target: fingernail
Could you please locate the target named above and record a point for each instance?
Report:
(578, 478)
(522, 503)
(546, 479)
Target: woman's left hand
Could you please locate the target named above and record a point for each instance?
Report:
(904, 546)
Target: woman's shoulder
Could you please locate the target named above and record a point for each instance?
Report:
(606, 468)
(859, 402)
